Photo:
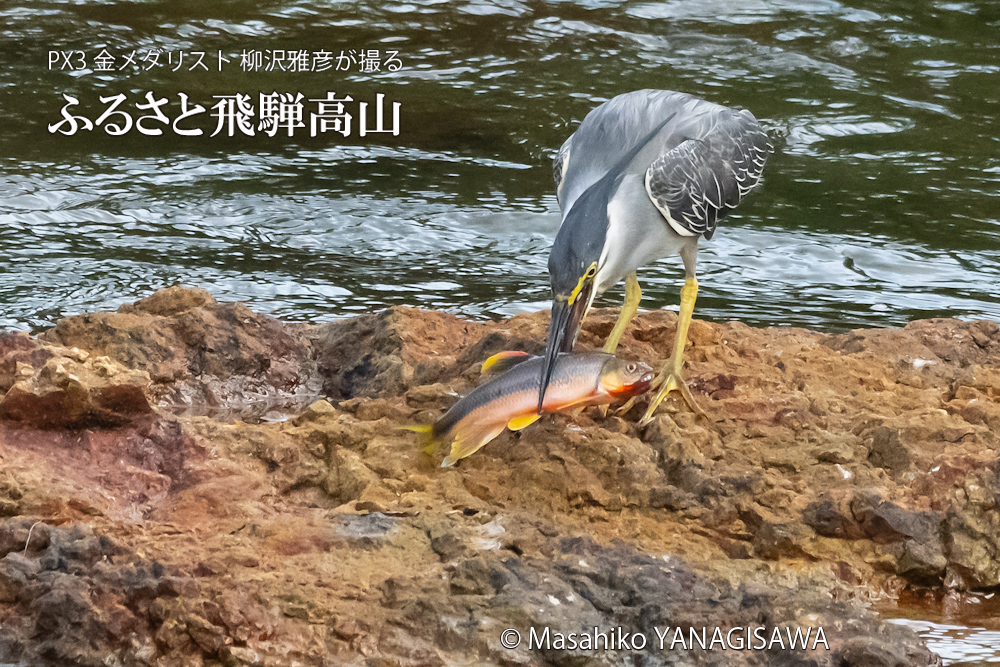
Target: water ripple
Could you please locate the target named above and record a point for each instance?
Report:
(879, 205)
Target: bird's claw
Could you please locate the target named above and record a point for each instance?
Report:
(628, 405)
(666, 383)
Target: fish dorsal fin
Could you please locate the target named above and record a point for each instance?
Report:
(503, 361)
(517, 423)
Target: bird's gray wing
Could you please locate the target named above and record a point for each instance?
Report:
(613, 131)
(700, 180)
(559, 163)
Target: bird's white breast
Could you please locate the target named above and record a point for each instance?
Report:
(637, 235)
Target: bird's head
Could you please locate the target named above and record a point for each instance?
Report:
(574, 264)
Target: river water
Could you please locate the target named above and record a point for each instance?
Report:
(880, 204)
(963, 629)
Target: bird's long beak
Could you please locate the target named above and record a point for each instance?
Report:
(563, 329)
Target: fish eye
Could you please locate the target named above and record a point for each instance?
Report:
(631, 368)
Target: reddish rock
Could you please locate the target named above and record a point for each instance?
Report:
(384, 354)
(200, 354)
(832, 466)
(73, 389)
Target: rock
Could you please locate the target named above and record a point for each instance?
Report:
(290, 464)
(478, 576)
(23, 534)
(13, 581)
(55, 593)
(973, 550)
(384, 354)
(20, 355)
(447, 545)
(923, 559)
(671, 498)
(438, 395)
(884, 652)
(922, 562)
(887, 451)
(317, 410)
(11, 494)
(348, 476)
(835, 452)
(200, 354)
(832, 468)
(782, 540)
(832, 517)
(69, 393)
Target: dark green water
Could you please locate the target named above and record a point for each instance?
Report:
(880, 205)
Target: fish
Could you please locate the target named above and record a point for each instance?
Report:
(510, 400)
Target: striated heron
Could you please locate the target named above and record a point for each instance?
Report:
(645, 176)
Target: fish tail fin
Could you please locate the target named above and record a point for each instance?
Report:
(468, 440)
(426, 433)
(503, 361)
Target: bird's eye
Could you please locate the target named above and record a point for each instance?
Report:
(631, 368)
(592, 271)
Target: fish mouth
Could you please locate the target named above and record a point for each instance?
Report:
(640, 386)
(563, 329)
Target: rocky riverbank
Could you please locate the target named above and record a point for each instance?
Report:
(159, 509)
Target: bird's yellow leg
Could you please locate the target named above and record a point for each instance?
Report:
(632, 296)
(670, 378)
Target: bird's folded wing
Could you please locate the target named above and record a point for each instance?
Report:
(699, 181)
(559, 163)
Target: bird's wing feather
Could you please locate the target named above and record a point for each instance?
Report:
(559, 163)
(612, 131)
(697, 182)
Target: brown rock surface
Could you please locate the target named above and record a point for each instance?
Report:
(202, 355)
(836, 469)
(70, 388)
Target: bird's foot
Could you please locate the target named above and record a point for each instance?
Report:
(665, 383)
(628, 405)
